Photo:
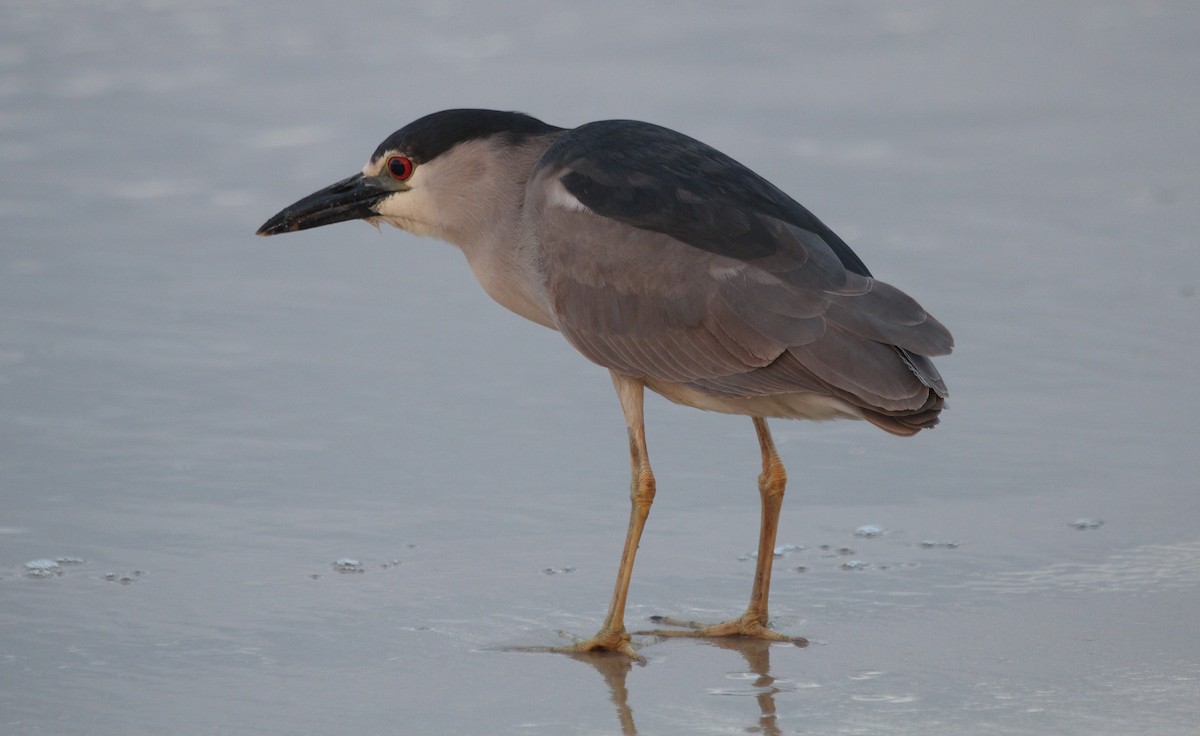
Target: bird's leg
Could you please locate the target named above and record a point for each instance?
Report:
(753, 622)
(771, 484)
(612, 634)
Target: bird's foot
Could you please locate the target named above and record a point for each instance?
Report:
(605, 641)
(751, 625)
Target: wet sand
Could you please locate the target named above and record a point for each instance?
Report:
(197, 425)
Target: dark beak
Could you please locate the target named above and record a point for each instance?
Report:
(353, 198)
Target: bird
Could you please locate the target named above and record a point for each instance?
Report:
(675, 267)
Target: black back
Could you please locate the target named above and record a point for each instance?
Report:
(658, 179)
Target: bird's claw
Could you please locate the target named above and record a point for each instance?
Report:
(747, 625)
(616, 642)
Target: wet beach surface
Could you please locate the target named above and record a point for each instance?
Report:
(322, 484)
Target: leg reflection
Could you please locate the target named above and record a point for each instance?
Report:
(757, 653)
(614, 668)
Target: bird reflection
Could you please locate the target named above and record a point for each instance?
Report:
(613, 668)
(756, 653)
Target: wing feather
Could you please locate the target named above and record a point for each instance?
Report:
(681, 266)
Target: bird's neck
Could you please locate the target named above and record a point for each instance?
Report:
(489, 226)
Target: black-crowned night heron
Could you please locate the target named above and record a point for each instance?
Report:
(673, 266)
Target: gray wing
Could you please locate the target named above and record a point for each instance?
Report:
(665, 259)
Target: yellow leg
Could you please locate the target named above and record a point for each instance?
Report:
(753, 622)
(612, 635)
(771, 484)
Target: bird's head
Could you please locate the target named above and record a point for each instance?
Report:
(427, 178)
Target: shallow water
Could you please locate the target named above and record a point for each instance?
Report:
(316, 484)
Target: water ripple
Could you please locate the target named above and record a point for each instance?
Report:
(1150, 567)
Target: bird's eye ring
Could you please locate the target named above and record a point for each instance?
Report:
(400, 167)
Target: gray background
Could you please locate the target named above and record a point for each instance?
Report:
(218, 418)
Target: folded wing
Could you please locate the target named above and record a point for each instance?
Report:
(667, 260)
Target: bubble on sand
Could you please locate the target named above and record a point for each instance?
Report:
(348, 565)
(868, 530)
(830, 552)
(123, 578)
(42, 569)
(780, 551)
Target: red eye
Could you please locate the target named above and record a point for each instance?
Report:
(400, 167)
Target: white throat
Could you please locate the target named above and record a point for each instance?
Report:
(473, 196)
